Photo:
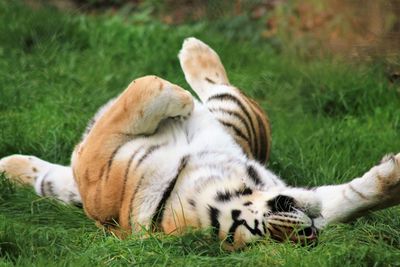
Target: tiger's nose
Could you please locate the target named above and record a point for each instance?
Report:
(305, 236)
(308, 233)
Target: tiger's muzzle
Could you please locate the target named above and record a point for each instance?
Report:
(294, 226)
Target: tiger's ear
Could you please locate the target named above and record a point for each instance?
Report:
(282, 203)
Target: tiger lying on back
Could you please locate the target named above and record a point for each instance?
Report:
(155, 158)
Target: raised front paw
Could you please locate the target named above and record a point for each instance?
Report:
(152, 96)
(180, 102)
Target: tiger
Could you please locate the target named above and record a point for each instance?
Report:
(158, 159)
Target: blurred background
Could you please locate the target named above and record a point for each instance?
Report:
(352, 29)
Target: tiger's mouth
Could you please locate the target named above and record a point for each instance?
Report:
(295, 227)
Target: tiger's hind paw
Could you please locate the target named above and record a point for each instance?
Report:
(23, 169)
(201, 65)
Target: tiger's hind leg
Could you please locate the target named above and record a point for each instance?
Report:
(378, 188)
(48, 179)
(97, 167)
(241, 116)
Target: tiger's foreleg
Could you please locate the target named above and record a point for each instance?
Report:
(136, 112)
(377, 189)
(241, 116)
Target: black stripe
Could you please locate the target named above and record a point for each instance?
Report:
(148, 152)
(248, 203)
(263, 141)
(238, 222)
(361, 195)
(127, 172)
(264, 227)
(244, 192)
(133, 198)
(237, 131)
(111, 159)
(254, 176)
(42, 191)
(159, 211)
(229, 97)
(223, 196)
(209, 80)
(192, 203)
(258, 147)
(214, 214)
(42, 187)
(236, 115)
(255, 231)
(50, 189)
(102, 172)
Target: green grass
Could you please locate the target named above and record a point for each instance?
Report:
(331, 122)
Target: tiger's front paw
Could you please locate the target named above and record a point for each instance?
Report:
(159, 98)
(388, 177)
(180, 102)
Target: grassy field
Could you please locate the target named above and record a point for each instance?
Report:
(331, 122)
